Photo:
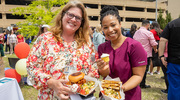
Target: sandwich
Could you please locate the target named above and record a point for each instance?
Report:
(76, 78)
(79, 84)
(111, 84)
(111, 88)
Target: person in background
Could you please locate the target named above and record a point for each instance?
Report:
(171, 35)
(132, 31)
(15, 31)
(67, 47)
(12, 41)
(164, 69)
(156, 30)
(91, 32)
(1, 45)
(7, 48)
(20, 37)
(42, 29)
(98, 37)
(128, 58)
(123, 31)
(147, 40)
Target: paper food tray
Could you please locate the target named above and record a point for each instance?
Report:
(88, 78)
(110, 98)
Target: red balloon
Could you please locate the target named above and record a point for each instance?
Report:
(22, 50)
(11, 73)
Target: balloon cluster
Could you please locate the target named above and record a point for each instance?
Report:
(21, 50)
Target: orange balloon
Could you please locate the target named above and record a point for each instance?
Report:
(11, 73)
(22, 50)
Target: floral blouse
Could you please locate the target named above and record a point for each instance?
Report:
(49, 58)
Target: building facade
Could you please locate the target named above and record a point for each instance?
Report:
(131, 11)
(173, 7)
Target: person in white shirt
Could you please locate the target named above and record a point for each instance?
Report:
(12, 41)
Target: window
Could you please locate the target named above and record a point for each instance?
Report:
(17, 2)
(133, 19)
(118, 7)
(10, 16)
(94, 18)
(0, 15)
(151, 19)
(151, 10)
(91, 6)
(135, 9)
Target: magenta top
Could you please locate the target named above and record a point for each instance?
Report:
(130, 54)
(146, 38)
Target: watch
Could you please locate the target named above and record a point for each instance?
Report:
(161, 56)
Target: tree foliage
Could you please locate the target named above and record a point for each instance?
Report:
(163, 21)
(39, 12)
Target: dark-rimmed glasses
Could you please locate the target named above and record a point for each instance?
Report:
(70, 15)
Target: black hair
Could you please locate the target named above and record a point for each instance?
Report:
(93, 28)
(133, 29)
(145, 22)
(109, 10)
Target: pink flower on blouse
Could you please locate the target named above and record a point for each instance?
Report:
(49, 59)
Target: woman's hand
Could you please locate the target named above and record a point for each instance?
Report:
(61, 90)
(103, 67)
(101, 64)
(164, 61)
(91, 74)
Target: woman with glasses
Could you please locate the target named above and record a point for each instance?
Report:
(67, 47)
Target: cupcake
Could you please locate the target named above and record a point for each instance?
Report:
(105, 57)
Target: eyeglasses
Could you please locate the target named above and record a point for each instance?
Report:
(70, 15)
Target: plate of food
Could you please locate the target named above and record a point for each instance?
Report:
(111, 89)
(82, 84)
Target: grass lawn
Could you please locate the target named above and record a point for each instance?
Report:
(153, 93)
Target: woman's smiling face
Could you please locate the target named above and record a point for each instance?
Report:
(111, 27)
(70, 20)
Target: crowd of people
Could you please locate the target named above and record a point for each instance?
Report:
(70, 42)
(11, 37)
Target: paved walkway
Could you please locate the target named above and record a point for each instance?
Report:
(1, 69)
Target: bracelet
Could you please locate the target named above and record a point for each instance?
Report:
(161, 56)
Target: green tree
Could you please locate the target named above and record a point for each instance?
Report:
(163, 21)
(37, 13)
(160, 19)
(168, 17)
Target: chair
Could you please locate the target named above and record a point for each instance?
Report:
(12, 62)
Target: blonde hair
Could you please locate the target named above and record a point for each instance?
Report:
(81, 35)
(98, 29)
